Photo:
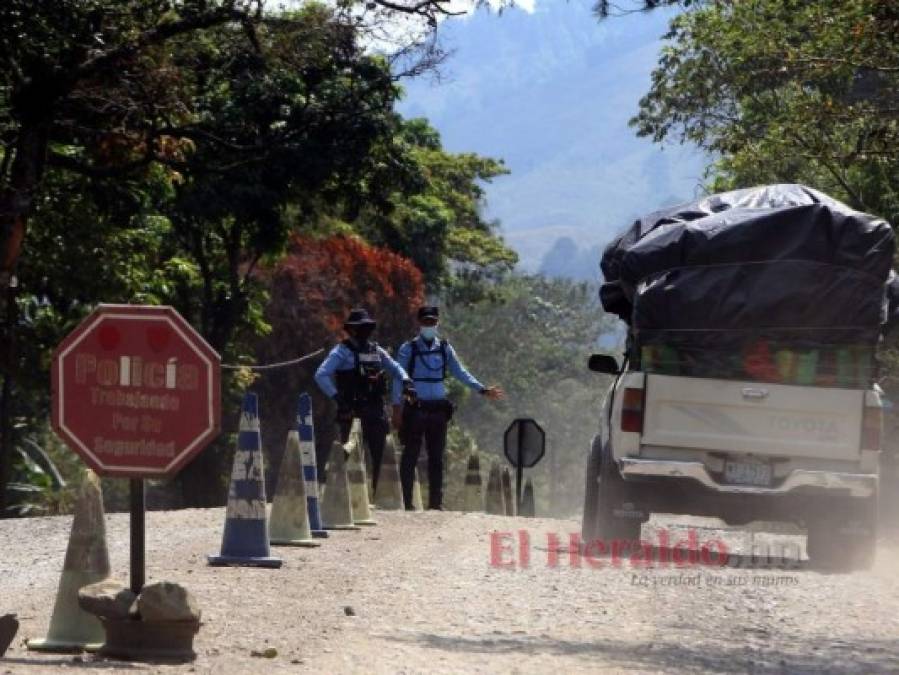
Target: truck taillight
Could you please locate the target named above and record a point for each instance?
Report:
(632, 411)
(872, 427)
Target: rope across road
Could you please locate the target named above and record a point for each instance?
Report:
(272, 366)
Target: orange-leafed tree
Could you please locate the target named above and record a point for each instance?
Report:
(311, 291)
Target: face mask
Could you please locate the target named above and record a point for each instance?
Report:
(429, 332)
(361, 334)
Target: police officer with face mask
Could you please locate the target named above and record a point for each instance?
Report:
(354, 375)
(429, 360)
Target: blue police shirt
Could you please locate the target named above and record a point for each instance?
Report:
(428, 371)
(342, 358)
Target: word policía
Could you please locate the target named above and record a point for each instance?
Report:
(133, 371)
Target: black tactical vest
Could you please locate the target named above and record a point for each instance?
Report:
(364, 385)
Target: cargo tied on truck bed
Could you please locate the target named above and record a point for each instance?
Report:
(748, 389)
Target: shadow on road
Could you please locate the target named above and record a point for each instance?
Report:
(806, 657)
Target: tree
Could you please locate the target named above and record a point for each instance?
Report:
(220, 125)
(91, 86)
(179, 143)
(311, 291)
(775, 101)
(435, 217)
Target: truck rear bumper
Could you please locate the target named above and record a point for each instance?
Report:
(857, 484)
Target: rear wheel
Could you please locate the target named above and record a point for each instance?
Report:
(844, 536)
(609, 504)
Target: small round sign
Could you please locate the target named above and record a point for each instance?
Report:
(136, 391)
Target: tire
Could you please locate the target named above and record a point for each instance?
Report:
(605, 493)
(591, 493)
(845, 538)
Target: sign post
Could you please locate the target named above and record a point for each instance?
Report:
(136, 394)
(524, 445)
(138, 535)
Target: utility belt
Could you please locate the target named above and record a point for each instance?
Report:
(373, 407)
(438, 405)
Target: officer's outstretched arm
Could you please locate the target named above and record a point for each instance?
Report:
(461, 373)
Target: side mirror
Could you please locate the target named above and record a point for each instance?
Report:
(603, 363)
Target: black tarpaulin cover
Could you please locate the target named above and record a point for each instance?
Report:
(777, 260)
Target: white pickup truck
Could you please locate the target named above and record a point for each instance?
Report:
(740, 451)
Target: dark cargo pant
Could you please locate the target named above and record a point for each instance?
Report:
(424, 421)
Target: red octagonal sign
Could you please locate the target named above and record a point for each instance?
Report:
(136, 391)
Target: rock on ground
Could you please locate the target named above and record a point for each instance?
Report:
(166, 601)
(107, 599)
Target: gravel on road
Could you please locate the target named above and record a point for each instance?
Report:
(447, 592)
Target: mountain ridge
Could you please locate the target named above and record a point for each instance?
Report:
(550, 92)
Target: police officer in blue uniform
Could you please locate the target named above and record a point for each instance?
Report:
(428, 360)
(354, 375)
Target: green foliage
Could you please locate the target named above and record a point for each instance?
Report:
(434, 217)
(533, 338)
(786, 92)
(164, 152)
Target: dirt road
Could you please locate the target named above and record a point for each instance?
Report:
(427, 599)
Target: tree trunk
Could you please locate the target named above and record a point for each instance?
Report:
(204, 482)
(17, 198)
(16, 203)
(6, 432)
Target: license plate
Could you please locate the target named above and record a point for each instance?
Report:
(747, 473)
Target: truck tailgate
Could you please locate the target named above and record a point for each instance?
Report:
(750, 417)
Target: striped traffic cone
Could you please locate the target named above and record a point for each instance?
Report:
(528, 509)
(494, 501)
(389, 495)
(337, 510)
(87, 562)
(507, 492)
(357, 478)
(290, 520)
(245, 541)
(474, 487)
(310, 467)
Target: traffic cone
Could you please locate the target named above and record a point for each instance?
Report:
(87, 562)
(389, 495)
(290, 520)
(507, 492)
(337, 510)
(494, 501)
(417, 502)
(474, 487)
(310, 467)
(357, 478)
(245, 541)
(527, 500)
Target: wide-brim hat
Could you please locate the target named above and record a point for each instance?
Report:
(359, 317)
